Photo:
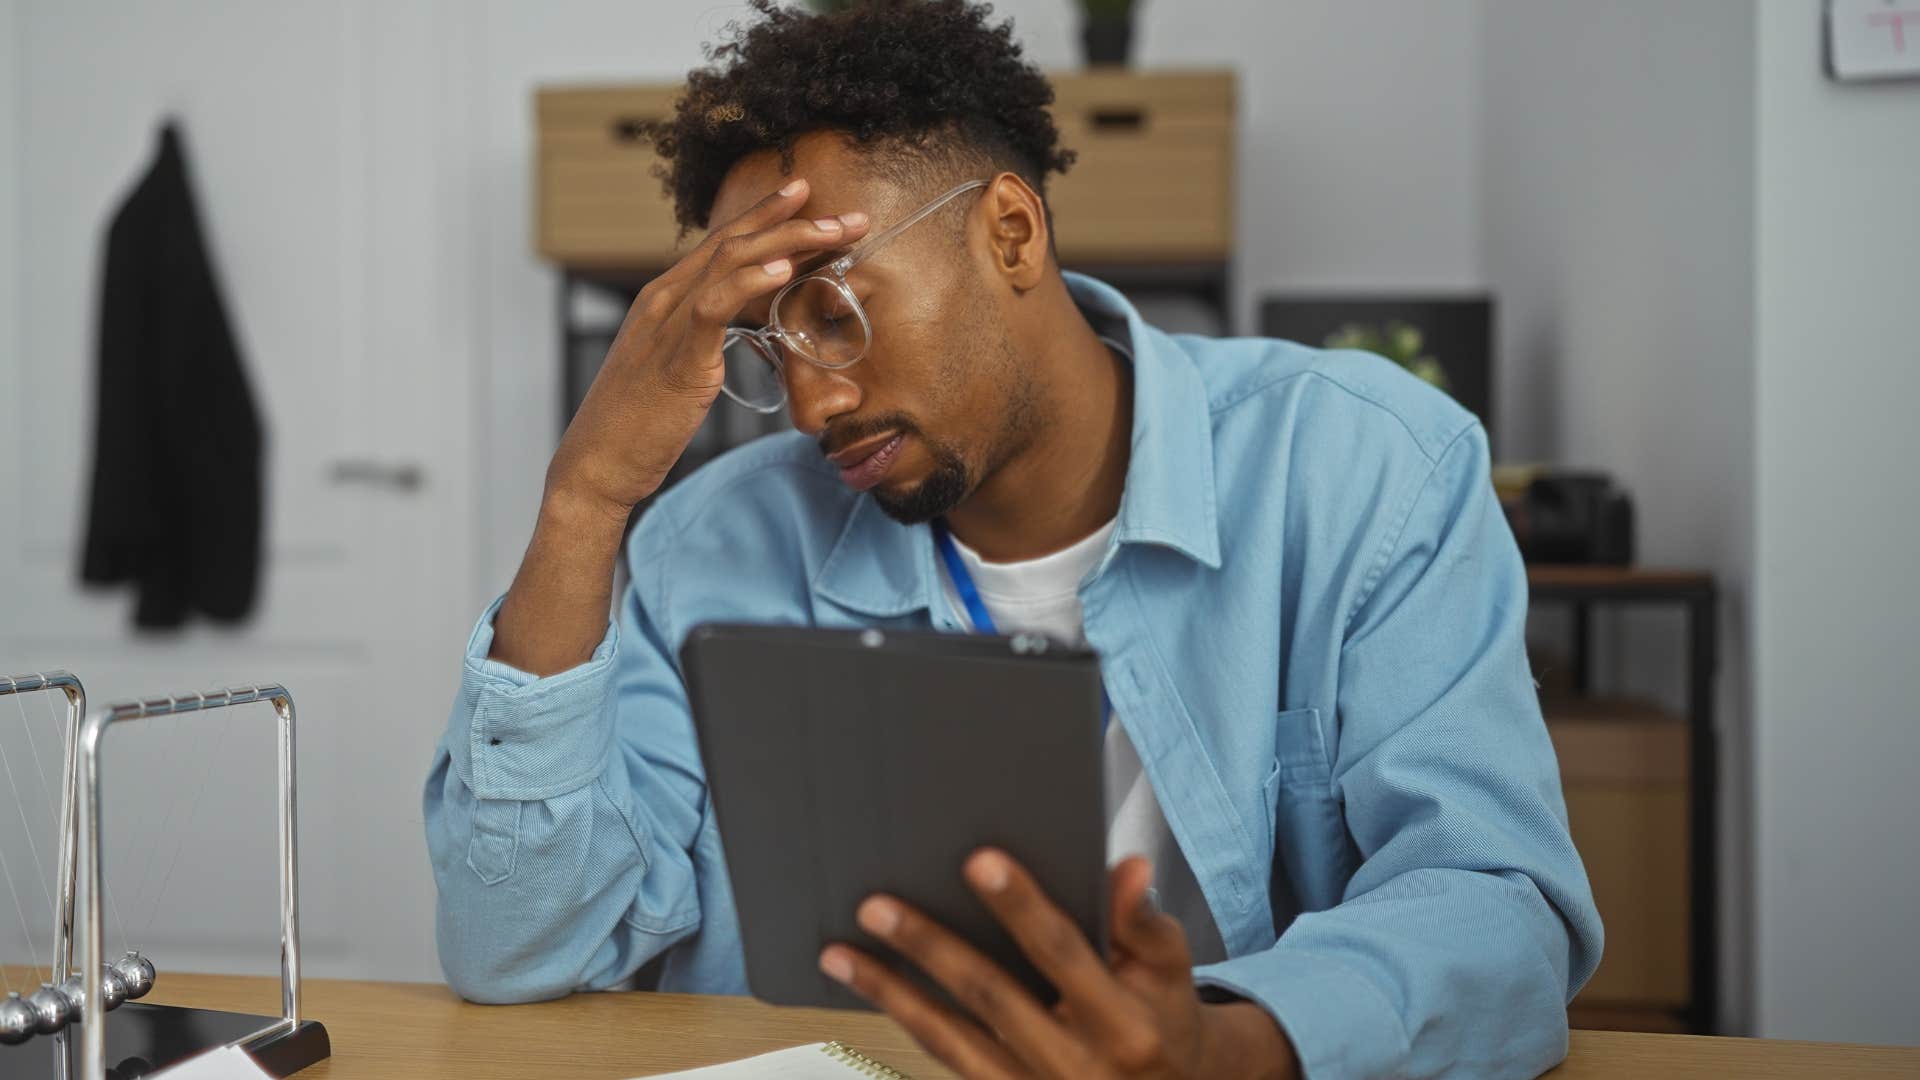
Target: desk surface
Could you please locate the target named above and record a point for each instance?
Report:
(419, 1030)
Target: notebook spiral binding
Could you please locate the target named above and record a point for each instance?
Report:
(861, 1063)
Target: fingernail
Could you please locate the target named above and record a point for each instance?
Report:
(793, 188)
(836, 966)
(879, 917)
(827, 224)
(990, 873)
(854, 220)
(777, 267)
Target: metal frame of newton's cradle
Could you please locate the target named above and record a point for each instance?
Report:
(282, 1045)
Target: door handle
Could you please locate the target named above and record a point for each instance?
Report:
(394, 476)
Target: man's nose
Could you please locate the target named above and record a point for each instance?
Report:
(815, 395)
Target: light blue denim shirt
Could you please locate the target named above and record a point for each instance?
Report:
(1310, 623)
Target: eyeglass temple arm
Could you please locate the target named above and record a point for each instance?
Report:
(847, 262)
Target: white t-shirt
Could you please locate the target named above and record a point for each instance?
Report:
(1043, 596)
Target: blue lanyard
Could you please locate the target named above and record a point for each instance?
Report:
(977, 612)
(963, 584)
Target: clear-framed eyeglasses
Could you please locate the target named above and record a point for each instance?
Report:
(816, 317)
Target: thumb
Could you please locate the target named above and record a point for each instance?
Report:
(1139, 927)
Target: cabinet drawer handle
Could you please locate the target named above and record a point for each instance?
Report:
(632, 128)
(1114, 121)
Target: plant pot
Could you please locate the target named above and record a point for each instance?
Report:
(1107, 41)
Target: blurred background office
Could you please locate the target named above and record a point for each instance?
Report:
(1667, 250)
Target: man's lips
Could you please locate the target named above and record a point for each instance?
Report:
(848, 456)
(865, 462)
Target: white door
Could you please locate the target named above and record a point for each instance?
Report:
(324, 143)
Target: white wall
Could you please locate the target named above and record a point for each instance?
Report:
(319, 137)
(1617, 231)
(1837, 598)
(10, 162)
(1367, 113)
(515, 47)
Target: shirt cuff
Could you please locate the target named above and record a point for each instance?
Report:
(518, 736)
(1339, 1023)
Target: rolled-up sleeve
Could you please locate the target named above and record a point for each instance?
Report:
(560, 813)
(514, 736)
(1469, 923)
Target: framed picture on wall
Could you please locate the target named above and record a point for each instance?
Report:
(1873, 40)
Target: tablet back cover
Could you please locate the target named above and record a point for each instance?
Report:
(844, 763)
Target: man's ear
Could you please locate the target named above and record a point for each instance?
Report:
(1017, 232)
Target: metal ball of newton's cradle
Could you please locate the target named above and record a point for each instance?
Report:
(17, 1021)
(112, 987)
(136, 972)
(75, 994)
(113, 990)
(51, 1009)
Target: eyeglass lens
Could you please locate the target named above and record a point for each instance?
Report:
(752, 377)
(818, 317)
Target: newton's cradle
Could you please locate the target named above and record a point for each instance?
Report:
(86, 1020)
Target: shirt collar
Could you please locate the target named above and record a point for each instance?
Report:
(881, 568)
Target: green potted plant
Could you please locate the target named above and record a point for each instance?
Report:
(1106, 31)
(1398, 342)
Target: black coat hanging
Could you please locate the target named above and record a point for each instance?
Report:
(178, 447)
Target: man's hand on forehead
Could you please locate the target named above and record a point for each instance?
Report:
(759, 312)
(665, 369)
(811, 263)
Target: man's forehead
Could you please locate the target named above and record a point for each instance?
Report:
(838, 174)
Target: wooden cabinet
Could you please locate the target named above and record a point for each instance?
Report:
(1154, 180)
(598, 202)
(1623, 766)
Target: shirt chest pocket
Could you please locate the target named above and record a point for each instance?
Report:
(1312, 855)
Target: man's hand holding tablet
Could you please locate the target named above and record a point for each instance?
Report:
(1134, 1013)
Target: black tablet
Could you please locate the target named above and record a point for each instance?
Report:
(843, 763)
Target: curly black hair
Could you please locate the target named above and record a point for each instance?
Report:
(930, 87)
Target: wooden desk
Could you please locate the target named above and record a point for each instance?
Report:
(418, 1030)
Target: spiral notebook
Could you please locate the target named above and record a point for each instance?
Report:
(814, 1061)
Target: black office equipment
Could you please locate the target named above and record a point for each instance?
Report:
(1572, 517)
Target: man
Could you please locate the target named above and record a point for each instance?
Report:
(1309, 610)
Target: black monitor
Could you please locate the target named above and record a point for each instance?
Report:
(1458, 332)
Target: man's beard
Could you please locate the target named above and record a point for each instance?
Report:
(939, 493)
(951, 482)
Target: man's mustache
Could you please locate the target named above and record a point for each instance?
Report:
(846, 433)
